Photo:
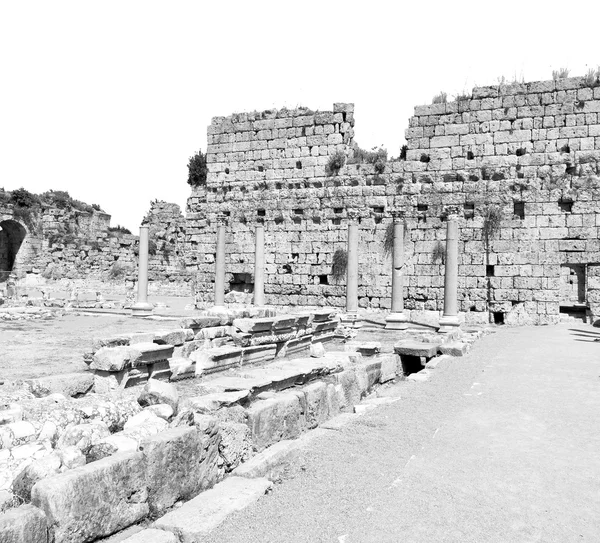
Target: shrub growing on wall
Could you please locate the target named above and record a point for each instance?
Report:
(197, 170)
(340, 262)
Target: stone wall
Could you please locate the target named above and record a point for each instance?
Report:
(524, 156)
(79, 245)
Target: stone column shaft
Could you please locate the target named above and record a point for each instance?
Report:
(142, 307)
(352, 269)
(449, 320)
(259, 267)
(220, 264)
(397, 320)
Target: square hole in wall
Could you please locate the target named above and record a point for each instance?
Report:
(566, 205)
(519, 210)
(469, 210)
(261, 212)
(338, 210)
(336, 221)
(323, 280)
(299, 211)
(421, 212)
(489, 270)
(498, 317)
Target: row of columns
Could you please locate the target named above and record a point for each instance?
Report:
(396, 320)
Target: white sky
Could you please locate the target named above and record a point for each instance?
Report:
(109, 99)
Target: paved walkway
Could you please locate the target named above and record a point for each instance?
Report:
(500, 446)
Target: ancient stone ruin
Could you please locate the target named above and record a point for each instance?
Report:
(520, 161)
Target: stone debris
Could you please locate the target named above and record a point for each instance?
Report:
(158, 392)
(152, 536)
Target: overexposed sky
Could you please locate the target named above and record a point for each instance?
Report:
(109, 99)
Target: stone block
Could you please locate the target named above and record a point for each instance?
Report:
(95, 500)
(197, 323)
(114, 359)
(173, 337)
(216, 359)
(236, 444)
(34, 472)
(365, 348)
(195, 519)
(321, 315)
(350, 391)
(116, 341)
(258, 354)
(208, 403)
(159, 371)
(317, 407)
(317, 350)
(270, 462)
(11, 412)
(416, 348)
(188, 348)
(113, 444)
(181, 368)
(284, 323)
(108, 381)
(324, 326)
(179, 463)
(275, 419)
(156, 392)
(389, 367)
(83, 436)
(25, 524)
(68, 384)
(373, 369)
(455, 348)
(251, 326)
(214, 332)
(296, 346)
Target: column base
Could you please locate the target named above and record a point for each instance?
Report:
(396, 321)
(141, 309)
(448, 323)
(351, 320)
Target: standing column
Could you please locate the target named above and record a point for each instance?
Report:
(352, 264)
(220, 262)
(449, 321)
(397, 320)
(259, 266)
(142, 308)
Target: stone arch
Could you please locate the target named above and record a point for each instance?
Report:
(12, 235)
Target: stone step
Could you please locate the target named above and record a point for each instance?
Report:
(198, 517)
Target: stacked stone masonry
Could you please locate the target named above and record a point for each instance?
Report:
(523, 155)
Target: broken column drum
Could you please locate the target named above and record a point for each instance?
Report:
(142, 307)
(220, 262)
(449, 320)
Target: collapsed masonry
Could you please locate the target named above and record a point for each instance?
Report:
(520, 161)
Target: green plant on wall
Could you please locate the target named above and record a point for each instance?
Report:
(335, 163)
(197, 170)
(492, 221)
(439, 253)
(340, 263)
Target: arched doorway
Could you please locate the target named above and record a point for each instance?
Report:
(12, 235)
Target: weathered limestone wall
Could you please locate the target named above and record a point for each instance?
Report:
(67, 243)
(525, 154)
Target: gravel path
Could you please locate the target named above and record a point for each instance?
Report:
(500, 446)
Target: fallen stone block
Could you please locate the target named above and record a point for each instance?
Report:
(146, 420)
(325, 326)
(83, 436)
(270, 462)
(350, 391)
(275, 419)
(159, 371)
(189, 347)
(284, 323)
(214, 332)
(111, 381)
(156, 392)
(182, 368)
(141, 337)
(196, 518)
(217, 359)
(253, 383)
(113, 444)
(323, 337)
(389, 367)
(197, 323)
(212, 402)
(25, 524)
(152, 535)
(174, 337)
(303, 320)
(69, 384)
(179, 462)
(34, 472)
(416, 348)
(95, 500)
(251, 326)
(454, 348)
(317, 350)
(276, 336)
(365, 348)
(116, 359)
(321, 315)
(162, 410)
(373, 369)
(17, 433)
(435, 362)
(296, 346)
(258, 354)
(115, 341)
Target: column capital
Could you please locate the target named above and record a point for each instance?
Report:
(452, 212)
(397, 213)
(353, 214)
(221, 219)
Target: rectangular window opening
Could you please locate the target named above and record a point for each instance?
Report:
(519, 210)
(566, 205)
(489, 270)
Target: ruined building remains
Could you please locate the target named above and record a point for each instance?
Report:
(519, 163)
